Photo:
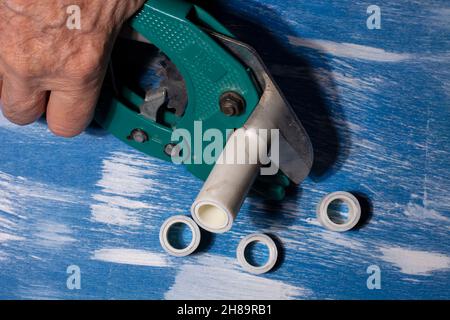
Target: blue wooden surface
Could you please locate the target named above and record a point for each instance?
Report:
(376, 104)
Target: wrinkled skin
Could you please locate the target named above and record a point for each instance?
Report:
(47, 67)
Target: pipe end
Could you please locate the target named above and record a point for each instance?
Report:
(212, 216)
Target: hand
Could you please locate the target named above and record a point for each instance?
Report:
(45, 66)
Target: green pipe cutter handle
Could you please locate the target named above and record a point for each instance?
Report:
(178, 28)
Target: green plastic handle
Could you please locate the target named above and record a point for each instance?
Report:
(177, 28)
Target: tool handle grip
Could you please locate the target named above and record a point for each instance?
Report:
(177, 28)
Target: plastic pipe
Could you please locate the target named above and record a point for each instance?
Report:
(228, 184)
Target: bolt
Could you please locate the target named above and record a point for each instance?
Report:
(232, 104)
(138, 135)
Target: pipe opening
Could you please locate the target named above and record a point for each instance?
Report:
(212, 216)
(257, 253)
(180, 235)
(339, 211)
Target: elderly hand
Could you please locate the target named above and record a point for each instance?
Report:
(48, 64)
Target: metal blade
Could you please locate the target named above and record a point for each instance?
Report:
(171, 91)
(275, 112)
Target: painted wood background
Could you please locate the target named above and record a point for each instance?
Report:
(376, 105)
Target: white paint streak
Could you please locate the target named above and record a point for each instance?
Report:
(6, 182)
(414, 262)
(9, 237)
(418, 212)
(350, 50)
(122, 202)
(313, 221)
(22, 199)
(108, 214)
(125, 177)
(5, 223)
(13, 190)
(439, 18)
(36, 290)
(131, 257)
(53, 234)
(342, 240)
(219, 278)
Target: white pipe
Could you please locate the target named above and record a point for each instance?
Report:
(229, 182)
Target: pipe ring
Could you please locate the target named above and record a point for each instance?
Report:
(354, 213)
(164, 236)
(266, 240)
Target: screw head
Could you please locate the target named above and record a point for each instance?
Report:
(232, 104)
(138, 135)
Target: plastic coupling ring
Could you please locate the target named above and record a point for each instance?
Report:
(264, 239)
(164, 236)
(354, 211)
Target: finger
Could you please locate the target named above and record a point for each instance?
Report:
(69, 113)
(21, 103)
(1, 83)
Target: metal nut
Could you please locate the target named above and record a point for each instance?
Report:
(232, 104)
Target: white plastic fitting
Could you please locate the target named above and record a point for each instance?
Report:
(354, 213)
(228, 184)
(264, 239)
(164, 236)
